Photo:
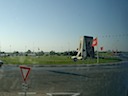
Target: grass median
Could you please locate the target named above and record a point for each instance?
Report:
(53, 60)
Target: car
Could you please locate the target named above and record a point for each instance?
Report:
(1, 63)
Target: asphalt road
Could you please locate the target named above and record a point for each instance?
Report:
(89, 80)
(105, 80)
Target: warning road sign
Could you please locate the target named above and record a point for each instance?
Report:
(25, 72)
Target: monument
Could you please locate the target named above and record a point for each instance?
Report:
(85, 48)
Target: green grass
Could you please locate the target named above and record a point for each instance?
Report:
(52, 60)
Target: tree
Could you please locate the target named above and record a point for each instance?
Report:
(52, 52)
(2, 52)
(41, 53)
(16, 53)
(70, 53)
(29, 51)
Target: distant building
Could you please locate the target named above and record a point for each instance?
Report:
(4, 55)
(31, 54)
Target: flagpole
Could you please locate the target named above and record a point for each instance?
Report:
(97, 52)
(95, 43)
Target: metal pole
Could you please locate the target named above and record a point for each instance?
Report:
(25, 94)
(25, 89)
(97, 52)
(97, 55)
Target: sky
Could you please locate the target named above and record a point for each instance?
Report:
(58, 24)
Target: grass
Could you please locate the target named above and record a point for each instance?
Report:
(52, 60)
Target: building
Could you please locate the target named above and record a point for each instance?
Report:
(85, 48)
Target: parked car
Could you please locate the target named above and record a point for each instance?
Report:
(1, 63)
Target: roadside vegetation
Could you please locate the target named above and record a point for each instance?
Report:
(55, 58)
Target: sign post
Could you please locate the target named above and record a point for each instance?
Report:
(25, 71)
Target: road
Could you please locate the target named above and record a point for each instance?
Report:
(88, 80)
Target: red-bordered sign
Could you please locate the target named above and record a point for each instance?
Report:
(25, 72)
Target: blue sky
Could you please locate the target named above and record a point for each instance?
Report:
(58, 24)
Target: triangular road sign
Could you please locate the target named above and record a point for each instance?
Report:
(25, 72)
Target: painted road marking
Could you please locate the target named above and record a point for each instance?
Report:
(28, 93)
(63, 93)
